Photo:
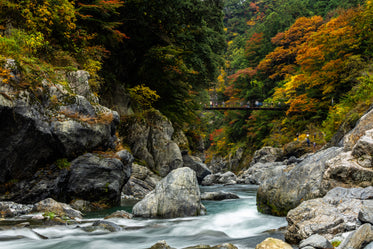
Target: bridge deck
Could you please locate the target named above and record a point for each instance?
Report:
(245, 108)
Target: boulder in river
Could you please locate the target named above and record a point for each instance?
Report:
(272, 243)
(197, 165)
(218, 196)
(176, 195)
(359, 238)
(98, 179)
(337, 212)
(285, 191)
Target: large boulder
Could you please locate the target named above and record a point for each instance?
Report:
(151, 140)
(272, 243)
(176, 195)
(260, 172)
(336, 212)
(285, 191)
(98, 179)
(197, 165)
(267, 155)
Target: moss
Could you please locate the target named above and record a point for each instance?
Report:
(63, 163)
(336, 243)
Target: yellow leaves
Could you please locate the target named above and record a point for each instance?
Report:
(143, 96)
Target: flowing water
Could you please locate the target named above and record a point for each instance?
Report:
(233, 221)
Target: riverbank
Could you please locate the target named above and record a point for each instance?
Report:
(230, 221)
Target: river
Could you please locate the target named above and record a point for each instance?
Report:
(234, 221)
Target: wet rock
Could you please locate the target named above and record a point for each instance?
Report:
(161, 245)
(267, 155)
(358, 239)
(61, 209)
(107, 225)
(196, 164)
(222, 246)
(271, 243)
(96, 178)
(218, 196)
(316, 241)
(81, 205)
(120, 214)
(285, 191)
(176, 195)
(337, 212)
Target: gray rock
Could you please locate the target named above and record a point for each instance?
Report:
(196, 164)
(177, 195)
(285, 191)
(359, 238)
(364, 124)
(58, 208)
(260, 172)
(336, 213)
(369, 246)
(152, 143)
(107, 225)
(210, 179)
(63, 124)
(228, 178)
(218, 196)
(119, 214)
(366, 212)
(316, 241)
(363, 149)
(161, 245)
(12, 209)
(96, 178)
(346, 171)
(267, 155)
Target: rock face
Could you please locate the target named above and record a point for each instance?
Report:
(97, 178)
(336, 212)
(232, 162)
(151, 140)
(365, 123)
(177, 195)
(64, 124)
(196, 164)
(141, 182)
(352, 168)
(285, 191)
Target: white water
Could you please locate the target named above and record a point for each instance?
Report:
(233, 221)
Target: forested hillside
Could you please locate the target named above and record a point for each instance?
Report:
(174, 48)
(315, 57)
